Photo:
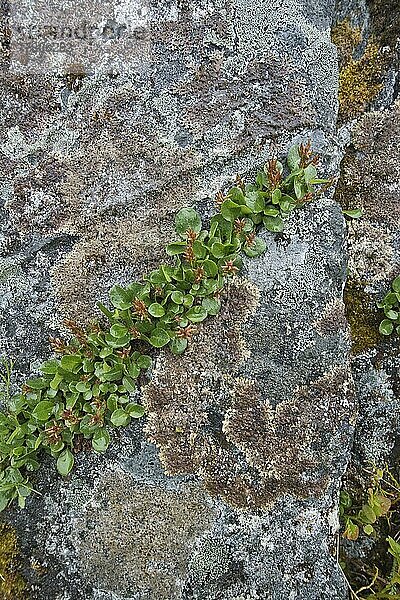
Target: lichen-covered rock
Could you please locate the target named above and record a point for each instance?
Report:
(370, 179)
(252, 427)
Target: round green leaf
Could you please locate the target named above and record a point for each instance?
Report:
(82, 387)
(144, 361)
(293, 158)
(50, 367)
(230, 210)
(38, 384)
(257, 247)
(367, 513)
(187, 218)
(70, 361)
(120, 418)
(274, 224)
(120, 298)
(276, 196)
(104, 352)
(196, 314)
(134, 371)
(157, 277)
(355, 213)
(218, 250)
(156, 310)
(368, 529)
(65, 462)
(117, 342)
(177, 297)
(287, 204)
(135, 410)
(188, 300)
(386, 327)
(391, 314)
(159, 338)
(118, 330)
(199, 249)
(211, 305)
(178, 345)
(43, 410)
(396, 284)
(129, 384)
(176, 248)
(255, 201)
(101, 440)
(210, 268)
(271, 212)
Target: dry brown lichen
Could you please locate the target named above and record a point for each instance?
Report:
(206, 420)
(370, 180)
(12, 585)
(188, 394)
(136, 538)
(370, 252)
(105, 257)
(370, 169)
(333, 319)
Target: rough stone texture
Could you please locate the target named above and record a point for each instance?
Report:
(370, 179)
(255, 430)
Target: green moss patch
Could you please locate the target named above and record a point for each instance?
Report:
(12, 585)
(362, 316)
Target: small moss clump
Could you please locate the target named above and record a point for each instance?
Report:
(362, 317)
(360, 81)
(346, 38)
(12, 585)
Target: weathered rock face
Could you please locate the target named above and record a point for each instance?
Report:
(228, 489)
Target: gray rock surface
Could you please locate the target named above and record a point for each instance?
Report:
(240, 501)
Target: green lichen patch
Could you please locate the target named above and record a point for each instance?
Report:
(12, 585)
(362, 316)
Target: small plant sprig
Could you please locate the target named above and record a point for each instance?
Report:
(91, 384)
(377, 504)
(391, 307)
(380, 501)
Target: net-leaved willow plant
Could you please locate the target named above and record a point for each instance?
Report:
(91, 384)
